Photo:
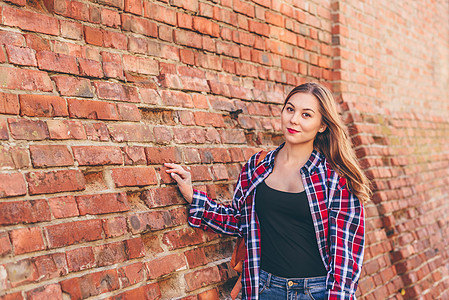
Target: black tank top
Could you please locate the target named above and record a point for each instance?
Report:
(288, 242)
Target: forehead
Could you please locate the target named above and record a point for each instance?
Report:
(303, 100)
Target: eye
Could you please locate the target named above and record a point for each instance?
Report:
(290, 109)
(306, 115)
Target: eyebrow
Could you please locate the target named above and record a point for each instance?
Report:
(303, 108)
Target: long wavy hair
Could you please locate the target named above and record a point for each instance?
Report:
(334, 142)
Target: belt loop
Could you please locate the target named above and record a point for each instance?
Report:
(268, 279)
(305, 284)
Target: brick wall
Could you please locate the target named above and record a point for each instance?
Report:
(96, 95)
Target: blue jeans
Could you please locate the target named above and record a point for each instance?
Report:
(273, 287)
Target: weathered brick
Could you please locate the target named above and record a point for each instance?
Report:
(5, 244)
(165, 265)
(66, 129)
(131, 132)
(115, 40)
(63, 207)
(139, 25)
(134, 6)
(114, 227)
(97, 155)
(42, 106)
(30, 21)
(181, 238)
(27, 240)
(102, 203)
(57, 62)
(80, 231)
(110, 254)
(25, 79)
(187, 38)
(135, 248)
(71, 30)
(196, 257)
(158, 155)
(97, 132)
(202, 277)
(115, 91)
(76, 87)
(21, 272)
(24, 212)
(50, 156)
(12, 184)
(150, 291)
(189, 5)
(91, 284)
(140, 65)
(9, 104)
(134, 155)
(51, 265)
(110, 17)
(206, 26)
(93, 36)
(21, 55)
(157, 220)
(159, 13)
(90, 109)
(134, 176)
(55, 181)
(189, 135)
(80, 259)
(161, 197)
(132, 274)
(128, 112)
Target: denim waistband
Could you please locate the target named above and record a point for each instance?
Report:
(292, 283)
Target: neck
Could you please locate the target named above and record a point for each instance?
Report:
(296, 154)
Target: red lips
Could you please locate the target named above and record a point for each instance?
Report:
(290, 130)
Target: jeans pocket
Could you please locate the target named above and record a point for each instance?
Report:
(317, 292)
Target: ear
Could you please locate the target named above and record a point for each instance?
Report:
(322, 128)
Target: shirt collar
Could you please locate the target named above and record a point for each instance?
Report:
(315, 159)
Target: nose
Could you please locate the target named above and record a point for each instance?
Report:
(295, 118)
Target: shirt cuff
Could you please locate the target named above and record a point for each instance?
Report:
(197, 208)
(339, 295)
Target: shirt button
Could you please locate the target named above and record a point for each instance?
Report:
(290, 283)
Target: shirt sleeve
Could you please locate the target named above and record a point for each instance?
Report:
(206, 213)
(347, 240)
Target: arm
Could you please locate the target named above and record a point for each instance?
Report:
(347, 240)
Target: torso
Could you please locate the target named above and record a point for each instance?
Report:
(285, 178)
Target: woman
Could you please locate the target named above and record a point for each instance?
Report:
(299, 210)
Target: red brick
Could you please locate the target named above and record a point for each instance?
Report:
(110, 254)
(71, 30)
(80, 231)
(27, 240)
(3, 130)
(93, 36)
(66, 129)
(25, 79)
(91, 284)
(24, 212)
(90, 68)
(175, 98)
(157, 220)
(114, 227)
(135, 248)
(9, 104)
(134, 155)
(187, 38)
(148, 292)
(14, 158)
(102, 203)
(57, 62)
(50, 156)
(189, 135)
(71, 86)
(51, 291)
(134, 6)
(196, 257)
(13, 296)
(91, 109)
(12, 184)
(51, 265)
(30, 21)
(130, 132)
(110, 17)
(158, 155)
(140, 65)
(55, 181)
(97, 155)
(161, 197)
(139, 25)
(184, 20)
(191, 5)
(134, 176)
(80, 259)
(210, 294)
(97, 132)
(132, 274)
(42, 106)
(205, 26)
(5, 244)
(202, 277)
(165, 265)
(115, 91)
(181, 238)
(63, 207)
(21, 55)
(159, 13)
(115, 40)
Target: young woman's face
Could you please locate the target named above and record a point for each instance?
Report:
(301, 119)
